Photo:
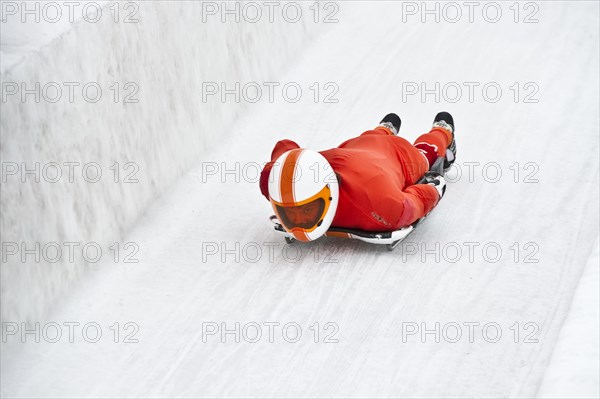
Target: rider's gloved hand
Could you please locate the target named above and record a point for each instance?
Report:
(436, 180)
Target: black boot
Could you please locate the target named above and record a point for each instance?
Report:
(392, 122)
(445, 121)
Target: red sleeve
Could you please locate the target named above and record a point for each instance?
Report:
(280, 148)
(417, 201)
(403, 208)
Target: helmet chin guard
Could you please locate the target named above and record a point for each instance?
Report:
(304, 192)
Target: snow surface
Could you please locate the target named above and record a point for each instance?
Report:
(369, 293)
(28, 27)
(574, 369)
(167, 56)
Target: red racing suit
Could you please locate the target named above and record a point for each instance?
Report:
(377, 172)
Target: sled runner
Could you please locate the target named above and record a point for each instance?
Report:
(389, 238)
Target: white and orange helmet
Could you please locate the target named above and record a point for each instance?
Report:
(304, 192)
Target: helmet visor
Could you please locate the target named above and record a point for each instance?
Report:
(305, 215)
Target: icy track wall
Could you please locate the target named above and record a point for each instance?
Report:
(153, 132)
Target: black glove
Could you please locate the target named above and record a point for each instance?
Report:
(436, 180)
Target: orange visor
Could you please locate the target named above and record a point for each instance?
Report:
(305, 215)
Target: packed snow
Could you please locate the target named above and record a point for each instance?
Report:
(112, 114)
